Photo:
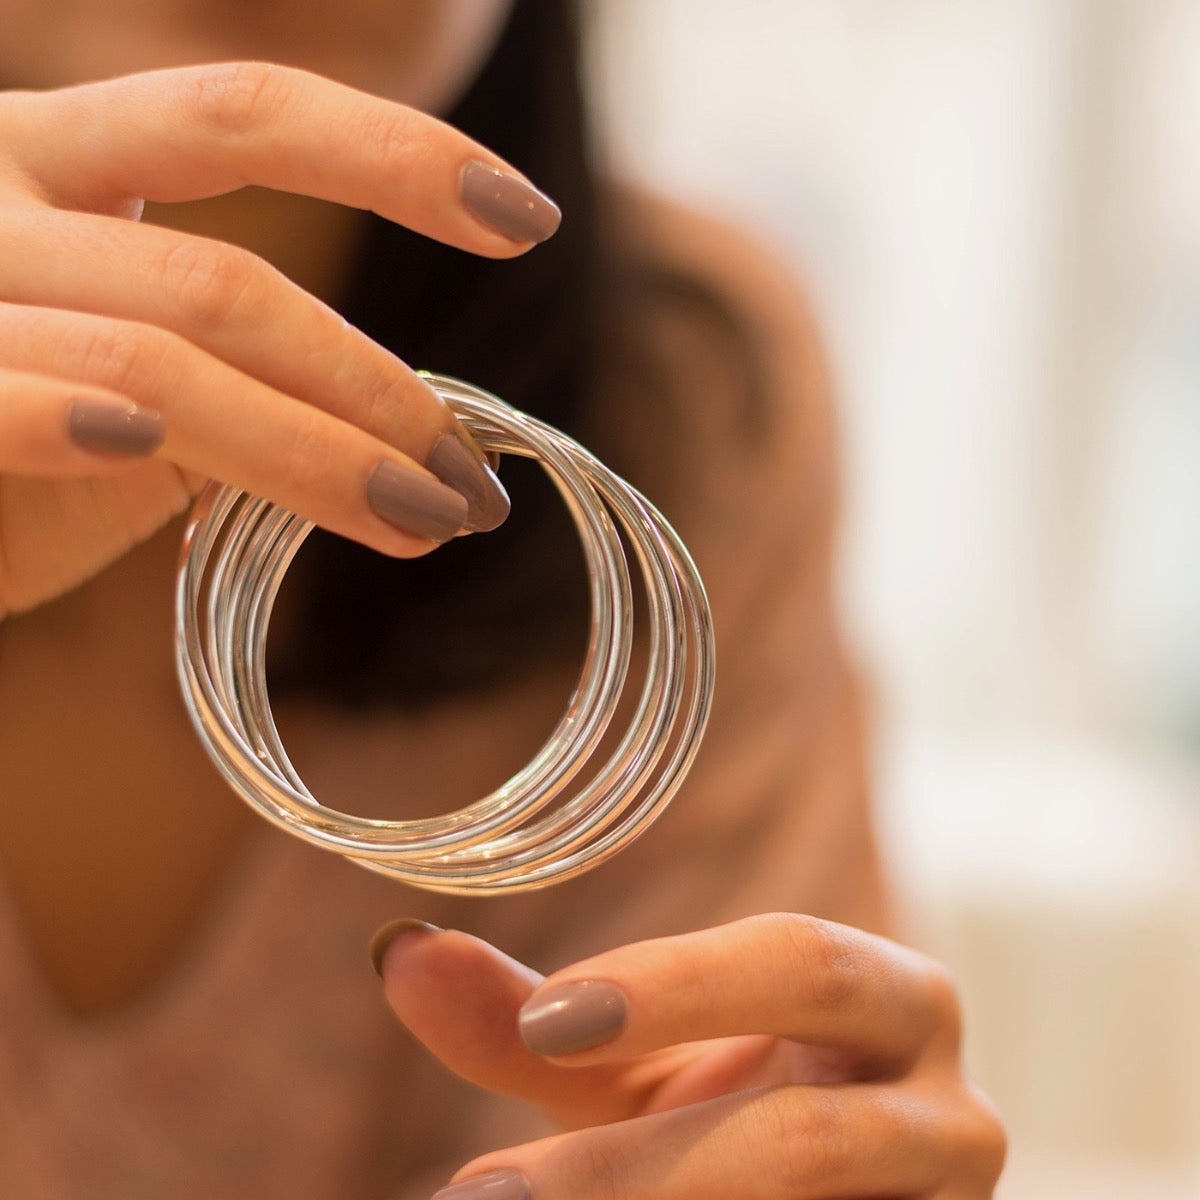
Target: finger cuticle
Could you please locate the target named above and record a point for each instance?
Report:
(572, 1017)
(495, 1185)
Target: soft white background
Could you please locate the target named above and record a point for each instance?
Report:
(996, 205)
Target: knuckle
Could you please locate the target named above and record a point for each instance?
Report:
(210, 283)
(965, 1135)
(121, 355)
(386, 136)
(982, 1137)
(807, 1142)
(607, 1168)
(236, 97)
(309, 459)
(940, 1000)
(827, 965)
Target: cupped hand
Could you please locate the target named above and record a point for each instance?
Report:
(136, 361)
(776, 1058)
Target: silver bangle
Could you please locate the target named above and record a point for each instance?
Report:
(547, 823)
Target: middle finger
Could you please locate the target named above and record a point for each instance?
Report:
(239, 309)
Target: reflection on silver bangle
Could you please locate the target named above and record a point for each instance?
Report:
(549, 822)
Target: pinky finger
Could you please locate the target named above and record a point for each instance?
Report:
(52, 428)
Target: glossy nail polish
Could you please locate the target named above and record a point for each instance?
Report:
(114, 428)
(495, 1185)
(460, 466)
(508, 204)
(415, 503)
(387, 934)
(574, 1016)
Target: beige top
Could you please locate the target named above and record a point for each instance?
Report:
(264, 1062)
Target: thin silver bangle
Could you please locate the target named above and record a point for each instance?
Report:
(546, 824)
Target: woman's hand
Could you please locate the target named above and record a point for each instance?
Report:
(136, 361)
(776, 1058)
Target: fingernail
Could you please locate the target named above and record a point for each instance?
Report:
(461, 467)
(114, 428)
(415, 503)
(387, 934)
(575, 1016)
(495, 1185)
(507, 204)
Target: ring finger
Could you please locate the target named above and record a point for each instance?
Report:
(224, 424)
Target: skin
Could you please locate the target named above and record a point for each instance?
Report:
(420, 53)
(839, 1052)
(829, 1070)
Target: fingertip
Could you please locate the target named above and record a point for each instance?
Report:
(51, 429)
(459, 463)
(501, 1184)
(415, 503)
(390, 934)
(507, 204)
(571, 1017)
(112, 427)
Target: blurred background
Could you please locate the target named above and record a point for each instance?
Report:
(996, 207)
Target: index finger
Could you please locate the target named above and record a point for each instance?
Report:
(790, 976)
(460, 997)
(194, 132)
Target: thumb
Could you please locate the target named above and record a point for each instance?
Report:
(460, 997)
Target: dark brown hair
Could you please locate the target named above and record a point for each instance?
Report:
(365, 629)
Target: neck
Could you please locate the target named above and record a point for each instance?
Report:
(108, 799)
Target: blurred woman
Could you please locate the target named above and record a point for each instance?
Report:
(186, 1006)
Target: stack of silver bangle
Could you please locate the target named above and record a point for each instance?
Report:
(552, 820)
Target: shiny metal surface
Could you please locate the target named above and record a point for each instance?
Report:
(562, 813)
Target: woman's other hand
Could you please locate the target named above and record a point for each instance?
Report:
(136, 361)
(775, 1058)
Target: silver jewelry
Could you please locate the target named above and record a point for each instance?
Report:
(549, 822)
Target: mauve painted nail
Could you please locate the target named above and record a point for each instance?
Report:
(415, 503)
(468, 473)
(114, 428)
(495, 1185)
(507, 204)
(574, 1016)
